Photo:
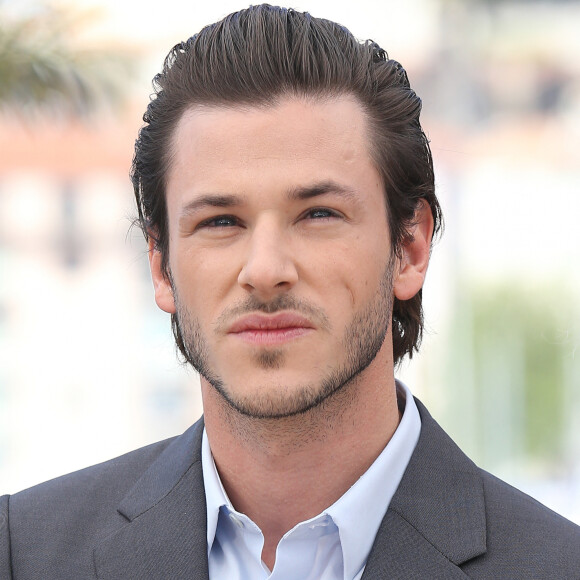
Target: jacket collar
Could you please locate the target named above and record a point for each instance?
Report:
(435, 522)
(161, 529)
(436, 519)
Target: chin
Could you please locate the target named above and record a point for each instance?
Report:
(280, 394)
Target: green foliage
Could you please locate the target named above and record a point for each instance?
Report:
(43, 66)
(515, 314)
(515, 343)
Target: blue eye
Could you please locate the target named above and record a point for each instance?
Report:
(222, 221)
(320, 213)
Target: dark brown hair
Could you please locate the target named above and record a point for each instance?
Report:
(255, 56)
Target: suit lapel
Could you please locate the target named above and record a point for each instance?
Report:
(436, 519)
(163, 530)
(435, 522)
(403, 553)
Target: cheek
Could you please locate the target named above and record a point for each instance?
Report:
(364, 277)
(343, 279)
(203, 278)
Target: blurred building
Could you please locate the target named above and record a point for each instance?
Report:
(83, 349)
(88, 368)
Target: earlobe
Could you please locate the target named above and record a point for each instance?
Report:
(161, 283)
(415, 254)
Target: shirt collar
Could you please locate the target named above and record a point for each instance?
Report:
(359, 512)
(215, 494)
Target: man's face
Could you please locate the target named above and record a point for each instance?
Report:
(279, 254)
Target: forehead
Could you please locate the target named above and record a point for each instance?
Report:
(295, 140)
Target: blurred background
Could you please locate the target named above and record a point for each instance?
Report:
(88, 368)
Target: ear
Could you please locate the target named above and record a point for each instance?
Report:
(161, 284)
(415, 254)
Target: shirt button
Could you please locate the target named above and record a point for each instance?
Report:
(236, 520)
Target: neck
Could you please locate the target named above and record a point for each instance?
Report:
(280, 472)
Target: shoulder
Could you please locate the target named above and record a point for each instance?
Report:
(523, 534)
(69, 514)
(64, 515)
(483, 524)
(109, 481)
(98, 484)
(507, 505)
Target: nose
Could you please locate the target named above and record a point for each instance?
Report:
(269, 267)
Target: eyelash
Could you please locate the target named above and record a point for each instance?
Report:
(214, 222)
(331, 213)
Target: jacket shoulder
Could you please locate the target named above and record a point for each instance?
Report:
(483, 525)
(69, 514)
(108, 479)
(523, 534)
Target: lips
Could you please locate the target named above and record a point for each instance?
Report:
(276, 329)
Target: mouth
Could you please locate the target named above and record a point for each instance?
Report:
(263, 330)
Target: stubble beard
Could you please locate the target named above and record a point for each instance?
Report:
(362, 340)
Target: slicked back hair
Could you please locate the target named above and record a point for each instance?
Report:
(258, 55)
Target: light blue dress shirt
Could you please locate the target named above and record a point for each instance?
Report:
(331, 546)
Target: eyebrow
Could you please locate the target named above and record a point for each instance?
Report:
(211, 200)
(322, 188)
(294, 194)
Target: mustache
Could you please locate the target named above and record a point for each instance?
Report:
(281, 302)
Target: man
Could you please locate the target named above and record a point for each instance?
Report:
(286, 189)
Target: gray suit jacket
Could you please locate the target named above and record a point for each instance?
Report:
(142, 516)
